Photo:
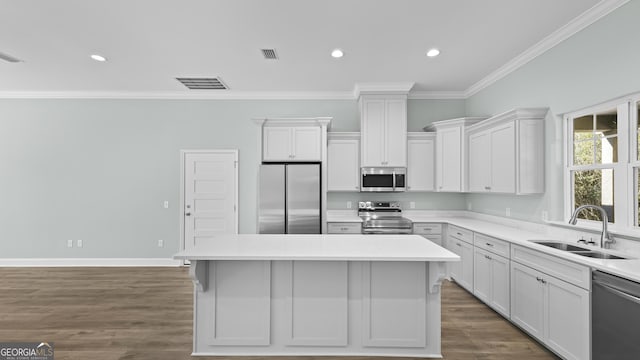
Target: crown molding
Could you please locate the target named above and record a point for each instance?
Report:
(437, 95)
(391, 88)
(598, 11)
(180, 95)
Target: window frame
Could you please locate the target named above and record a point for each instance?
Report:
(634, 160)
(623, 170)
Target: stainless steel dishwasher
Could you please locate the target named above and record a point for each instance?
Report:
(615, 317)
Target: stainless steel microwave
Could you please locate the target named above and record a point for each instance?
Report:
(382, 179)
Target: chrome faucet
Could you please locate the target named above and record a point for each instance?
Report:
(605, 238)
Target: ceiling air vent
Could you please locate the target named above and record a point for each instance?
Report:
(8, 58)
(269, 54)
(203, 83)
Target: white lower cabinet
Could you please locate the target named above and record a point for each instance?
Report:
(552, 310)
(344, 228)
(491, 280)
(461, 271)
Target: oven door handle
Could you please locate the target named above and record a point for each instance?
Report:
(622, 294)
(386, 231)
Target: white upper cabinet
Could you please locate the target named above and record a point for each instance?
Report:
(343, 159)
(384, 130)
(292, 143)
(421, 148)
(450, 150)
(506, 153)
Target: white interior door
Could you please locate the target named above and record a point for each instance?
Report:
(210, 195)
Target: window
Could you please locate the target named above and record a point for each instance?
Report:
(592, 167)
(603, 162)
(636, 161)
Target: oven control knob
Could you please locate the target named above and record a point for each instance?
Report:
(361, 205)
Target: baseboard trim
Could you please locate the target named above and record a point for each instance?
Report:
(90, 262)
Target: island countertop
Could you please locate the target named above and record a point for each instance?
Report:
(321, 247)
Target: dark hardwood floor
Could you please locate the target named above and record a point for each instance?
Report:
(146, 313)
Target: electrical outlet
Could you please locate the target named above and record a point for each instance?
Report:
(469, 206)
(545, 215)
(508, 212)
(412, 204)
(348, 204)
(70, 243)
(166, 204)
(160, 243)
(79, 243)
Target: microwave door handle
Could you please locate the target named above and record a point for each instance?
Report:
(394, 180)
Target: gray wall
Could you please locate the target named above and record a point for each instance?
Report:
(99, 170)
(595, 65)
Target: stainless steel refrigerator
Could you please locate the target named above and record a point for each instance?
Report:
(289, 199)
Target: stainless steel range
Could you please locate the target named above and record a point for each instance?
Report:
(383, 218)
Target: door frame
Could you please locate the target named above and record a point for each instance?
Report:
(183, 155)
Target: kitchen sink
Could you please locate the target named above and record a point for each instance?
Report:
(560, 245)
(578, 250)
(598, 255)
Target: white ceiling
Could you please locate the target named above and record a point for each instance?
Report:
(151, 42)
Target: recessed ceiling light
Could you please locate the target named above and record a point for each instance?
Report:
(337, 53)
(97, 57)
(433, 53)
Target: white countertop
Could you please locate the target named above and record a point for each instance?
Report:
(343, 216)
(627, 268)
(319, 247)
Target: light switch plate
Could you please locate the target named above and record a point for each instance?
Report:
(412, 204)
(508, 212)
(348, 204)
(160, 243)
(79, 243)
(70, 243)
(166, 204)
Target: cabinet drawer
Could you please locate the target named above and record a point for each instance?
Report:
(576, 274)
(344, 228)
(427, 228)
(460, 233)
(496, 246)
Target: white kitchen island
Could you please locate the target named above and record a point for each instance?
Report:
(317, 295)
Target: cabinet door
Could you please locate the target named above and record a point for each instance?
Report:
(276, 143)
(482, 275)
(373, 132)
(527, 300)
(503, 158)
(467, 266)
(343, 157)
(421, 165)
(479, 160)
(500, 286)
(567, 319)
(396, 132)
(307, 143)
(449, 159)
(455, 267)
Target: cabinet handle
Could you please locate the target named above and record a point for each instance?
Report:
(541, 280)
(459, 233)
(488, 244)
(487, 257)
(458, 244)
